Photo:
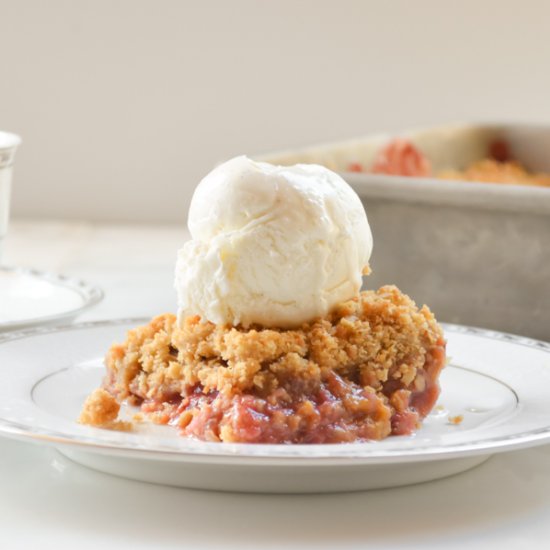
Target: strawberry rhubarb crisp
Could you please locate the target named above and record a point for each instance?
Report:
(401, 157)
(273, 341)
(368, 370)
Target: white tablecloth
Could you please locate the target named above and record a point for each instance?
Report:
(48, 502)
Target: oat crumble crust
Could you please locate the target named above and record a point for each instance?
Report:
(373, 353)
(493, 171)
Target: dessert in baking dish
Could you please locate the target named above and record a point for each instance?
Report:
(400, 157)
(273, 341)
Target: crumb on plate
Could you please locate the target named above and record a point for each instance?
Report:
(456, 420)
(101, 411)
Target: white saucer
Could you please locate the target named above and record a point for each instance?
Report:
(30, 298)
(497, 382)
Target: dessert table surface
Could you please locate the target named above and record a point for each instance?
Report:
(47, 501)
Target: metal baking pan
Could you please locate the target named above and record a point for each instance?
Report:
(476, 253)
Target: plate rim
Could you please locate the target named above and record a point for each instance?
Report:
(210, 451)
(90, 294)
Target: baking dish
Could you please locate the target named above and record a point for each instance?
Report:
(477, 253)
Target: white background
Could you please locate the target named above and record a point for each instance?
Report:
(124, 104)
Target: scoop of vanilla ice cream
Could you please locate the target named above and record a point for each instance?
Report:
(272, 245)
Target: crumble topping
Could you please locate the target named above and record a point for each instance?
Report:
(494, 171)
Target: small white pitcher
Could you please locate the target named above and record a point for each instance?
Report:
(8, 147)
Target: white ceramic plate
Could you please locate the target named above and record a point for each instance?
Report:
(31, 298)
(497, 382)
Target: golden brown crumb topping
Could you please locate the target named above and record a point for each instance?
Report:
(492, 171)
(377, 337)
